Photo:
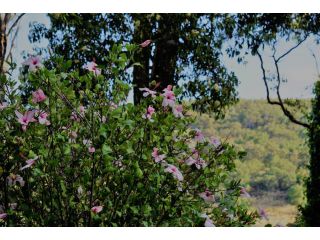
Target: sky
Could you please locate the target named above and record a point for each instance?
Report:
(298, 67)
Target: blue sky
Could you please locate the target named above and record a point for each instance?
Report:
(299, 67)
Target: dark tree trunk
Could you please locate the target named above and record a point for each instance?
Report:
(164, 61)
(166, 53)
(142, 32)
(311, 212)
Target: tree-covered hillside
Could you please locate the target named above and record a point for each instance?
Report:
(275, 163)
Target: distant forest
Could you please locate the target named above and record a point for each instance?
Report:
(276, 152)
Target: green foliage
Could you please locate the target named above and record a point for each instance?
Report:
(276, 153)
(311, 211)
(69, 178)
(187, 51)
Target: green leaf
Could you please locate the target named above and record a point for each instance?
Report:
(106, 149)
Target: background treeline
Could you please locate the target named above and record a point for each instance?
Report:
(276, 152)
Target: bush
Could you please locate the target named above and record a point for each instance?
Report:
(76, 153)
(295, 195)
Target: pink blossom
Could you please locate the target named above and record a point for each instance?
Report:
(38, 96)
(148, 92)
(25, 119)
(146, 43)
(3, 105)
(96, 209)
(29, 162)
(156, 156)
(74, 117)
(168, 88)
(34, 63)
(91, 149)
(82, 110)
(175, 172)
(177, 111)
(262, 213)
(215, 142)
(199, 136)
(43, 118)
(207, 196)
(208, 222)
(13, 179)
(168, 97)
(149, 113)
(3, 215)
(244, 193)
(113, 105)
(93, 67)
(196, 160)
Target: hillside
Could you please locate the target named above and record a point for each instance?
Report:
(275, 164)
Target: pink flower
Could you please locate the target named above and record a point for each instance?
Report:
(96, 209)
(215, 142)
(207, 196)
(196, 160)
(34, 63)
(148, 92)
(148, 115)
(74, 117)
(168, 97)
(25, 119)
(175, 172)
(43, 118)
(82, 110)
(208, 222)
(38, 96)
(3, 215)
(244, 193)
(262, 213)
(3, 105)
(156, 156)
(199, 136)
(168, 88)
(91, 149)
(145, 43)
(177, 111)
(93, 67)
(29, 162)
(13, 179)
(113, 105)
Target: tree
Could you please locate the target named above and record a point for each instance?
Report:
(8, 32)
(185, 51)
(311, 212)
(92, 159)
(264, 30)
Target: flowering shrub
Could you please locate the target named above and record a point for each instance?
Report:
(74, 152)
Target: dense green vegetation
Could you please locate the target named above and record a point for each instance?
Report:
(276, 151)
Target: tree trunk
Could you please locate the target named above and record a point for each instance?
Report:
(166, 53)
(142, 32)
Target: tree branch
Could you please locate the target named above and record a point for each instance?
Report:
(280, 103)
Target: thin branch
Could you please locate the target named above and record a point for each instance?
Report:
(316, 61)
(280, 103)
(291, 49)
(15, 23)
